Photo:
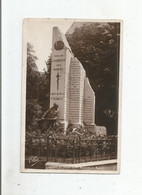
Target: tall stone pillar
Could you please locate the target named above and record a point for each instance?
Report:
(60, 71)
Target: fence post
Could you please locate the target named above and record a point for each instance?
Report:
(47, 148)
(39, 148)
(85, 151)
(51, 149)
(79, 149)
(55, 149)
(66, 152)
(116, 146)
(31, 148)
(91, 150)
(73, 150)
(111, 149)
(97, 150)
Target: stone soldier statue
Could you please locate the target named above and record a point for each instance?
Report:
(51, 113)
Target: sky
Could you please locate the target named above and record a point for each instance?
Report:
(38, 32)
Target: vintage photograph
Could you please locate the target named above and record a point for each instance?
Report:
(71, 96)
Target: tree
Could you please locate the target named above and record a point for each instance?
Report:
(44, 89)
(38, 89)
(96, 45)
(32, 73)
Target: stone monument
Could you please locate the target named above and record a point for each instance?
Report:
(70, 88)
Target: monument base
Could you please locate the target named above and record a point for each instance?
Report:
(77, 125)
(91, 128)
(63, 124)
(101, 131)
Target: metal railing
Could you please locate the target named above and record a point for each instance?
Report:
(72, 150)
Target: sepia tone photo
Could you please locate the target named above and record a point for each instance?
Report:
(71, 91)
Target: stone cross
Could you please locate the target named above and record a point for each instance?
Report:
(58, 77)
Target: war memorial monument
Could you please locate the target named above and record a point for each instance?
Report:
(70, 88)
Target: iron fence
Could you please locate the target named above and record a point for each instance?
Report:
(72, 150)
